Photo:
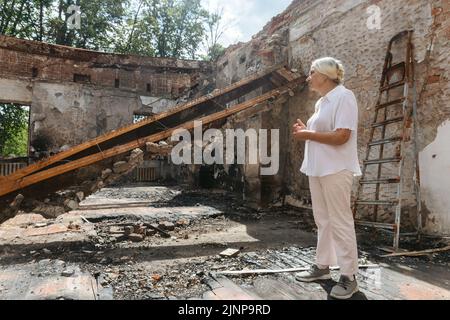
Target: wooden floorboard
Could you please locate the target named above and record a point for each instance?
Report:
(225, 289)
(391, 281)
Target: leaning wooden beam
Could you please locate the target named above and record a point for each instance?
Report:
(285, 74)
(7, 188)
(416, 253)
(116, 133)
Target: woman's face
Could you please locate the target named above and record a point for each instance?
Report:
(316, 80)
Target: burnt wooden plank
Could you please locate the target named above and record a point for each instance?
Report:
(157, 123)
(7, 188)
(417, 281)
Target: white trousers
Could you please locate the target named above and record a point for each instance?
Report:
(336, 243)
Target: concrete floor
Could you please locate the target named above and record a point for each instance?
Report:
(76, 257)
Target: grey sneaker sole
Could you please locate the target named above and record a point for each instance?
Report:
(346, 296)
(324, 277)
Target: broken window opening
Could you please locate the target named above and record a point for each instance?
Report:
(34, 72)
(14, 131)
(149, 87)
(117, 83)
(81, 78)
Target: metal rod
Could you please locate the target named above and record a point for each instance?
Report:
(271, 271)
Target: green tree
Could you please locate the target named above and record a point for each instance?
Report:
(214, 32)
(13, 130)
(189, 18)
(99, 20)
(18, 144)
(47, 20)
(215, 52)
(164, 28)
(23, 18)
(161, 28)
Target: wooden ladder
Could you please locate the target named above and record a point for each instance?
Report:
(395, 76)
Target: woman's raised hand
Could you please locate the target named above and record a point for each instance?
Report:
(299, 126)
(300, 123)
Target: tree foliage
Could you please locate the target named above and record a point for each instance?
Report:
(47, 20)
(161, 28)
(13, 130)
(165, 28)
(214, 32)
(98, 20)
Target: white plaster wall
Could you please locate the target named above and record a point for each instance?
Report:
(435, 181)
(158, 104)
(339, 28)
(72, 113)
(15, 91)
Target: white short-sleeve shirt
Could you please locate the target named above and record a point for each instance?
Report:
(337, 110)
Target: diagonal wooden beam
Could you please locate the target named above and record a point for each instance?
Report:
(116, 133)
(285, 74)
(9, 187)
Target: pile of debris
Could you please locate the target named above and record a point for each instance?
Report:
(138, 231)
(64, 201)
(187, 280)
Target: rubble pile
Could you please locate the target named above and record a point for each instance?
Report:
(67, 200)
(182, 281)
(110, 232)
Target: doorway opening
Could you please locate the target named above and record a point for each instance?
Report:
(14, 131)
(14, 137)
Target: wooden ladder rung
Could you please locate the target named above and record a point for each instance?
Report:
(385, 141)
(390, 226)
(385, 123)
(396, 66)
(381, 161)
(376, 203)
(381, 181)
(393, 85)
(390, 103)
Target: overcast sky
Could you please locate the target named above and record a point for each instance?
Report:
(245, 17)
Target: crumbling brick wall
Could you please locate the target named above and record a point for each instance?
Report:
(78, 94)
(315, 28)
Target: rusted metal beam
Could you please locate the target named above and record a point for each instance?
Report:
(220, 97)
(11, 186)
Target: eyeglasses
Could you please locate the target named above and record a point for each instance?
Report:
(311, 72)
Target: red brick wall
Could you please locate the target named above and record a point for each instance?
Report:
(167, 77)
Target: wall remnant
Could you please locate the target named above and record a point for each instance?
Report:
(76, 94)
(311, 29)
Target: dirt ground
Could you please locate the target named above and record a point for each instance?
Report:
(164, 242)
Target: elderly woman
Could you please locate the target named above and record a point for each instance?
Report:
(330, 162)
